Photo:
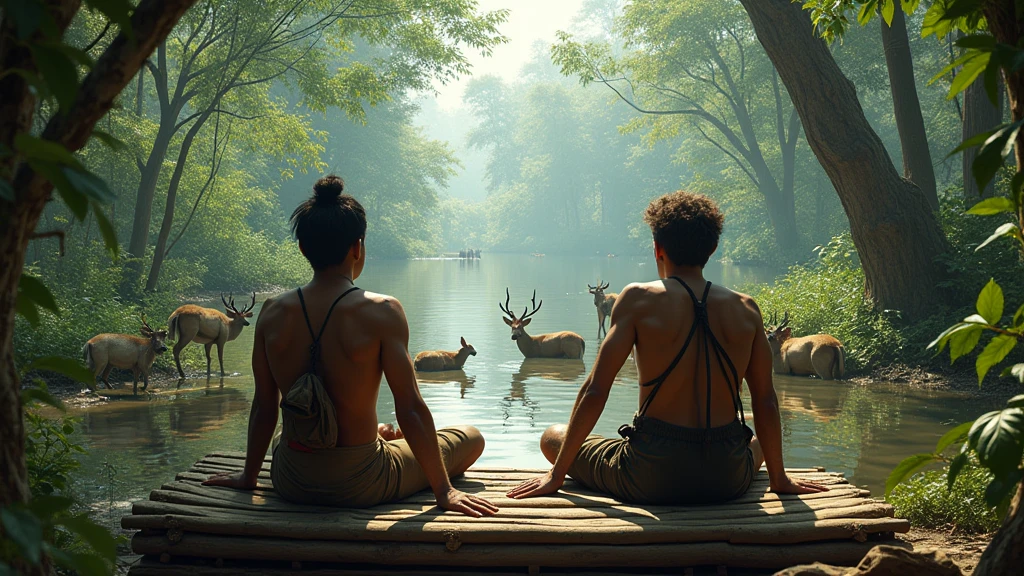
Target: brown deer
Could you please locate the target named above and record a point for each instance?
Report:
(604, 303)
(107, 351)
(207, 326)
(554, 345)
(439, 360)
(819, 354)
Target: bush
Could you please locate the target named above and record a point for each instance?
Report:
(927, 502)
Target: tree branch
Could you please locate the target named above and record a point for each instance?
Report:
(730, 154)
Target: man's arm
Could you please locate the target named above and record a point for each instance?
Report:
(593, 395)
(414, 417)
(262, 417)
(767, 420)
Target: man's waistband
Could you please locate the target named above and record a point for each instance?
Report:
(662, 429)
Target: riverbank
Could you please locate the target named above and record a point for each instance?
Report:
(963, 380)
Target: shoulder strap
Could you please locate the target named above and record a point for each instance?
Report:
(314, 348)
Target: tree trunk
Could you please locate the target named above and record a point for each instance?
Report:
(893, 226)
(1005, 554)
(172, 195)
(979, 116)
(917, 158)
(140, 93)
(152, 21)
(781, 208)
(147, 189)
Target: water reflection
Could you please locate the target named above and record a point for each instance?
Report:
(457, 377)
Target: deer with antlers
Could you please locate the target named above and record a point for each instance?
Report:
(105, 352)
(207, 326)
(554, 345)
(604, 303)
(819, 354)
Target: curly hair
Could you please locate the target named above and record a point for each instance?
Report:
(329, 223)
(686, 226)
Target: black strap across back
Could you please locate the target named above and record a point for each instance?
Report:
(706, 340)
(314, 348)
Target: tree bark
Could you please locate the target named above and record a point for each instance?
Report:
(892, 224)
(1005, 553)
(979, 116)
(152, 21)
(917, 158)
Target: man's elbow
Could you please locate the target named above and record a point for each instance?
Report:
(765, 402)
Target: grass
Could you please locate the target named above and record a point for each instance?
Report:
(926, 502)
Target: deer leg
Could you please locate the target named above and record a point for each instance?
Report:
(178, 347)
(145, 380)
(209, 346)
(821, 361)
(135, 381)
(220, 356)
(106, 374)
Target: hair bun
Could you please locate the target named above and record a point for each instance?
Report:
(328, 188)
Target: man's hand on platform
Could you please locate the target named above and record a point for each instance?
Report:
(231, 480)
(459, 501)
(548, 483)
(787, 485)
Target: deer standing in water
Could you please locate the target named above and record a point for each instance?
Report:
(207, 326)
(604, 303)
(440, 360)
(554, 345)
(819, 354)
(107, 351)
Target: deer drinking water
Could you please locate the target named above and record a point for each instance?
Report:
(107, 351)
(554, 345)
(604, 303)
(207, 326)
(440, 360)
(819, 354)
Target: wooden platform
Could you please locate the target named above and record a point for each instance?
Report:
(186, 528)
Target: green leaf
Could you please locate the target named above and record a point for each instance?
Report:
(27, 309)
(6, 191)
(992, 206)
(106, 230)
(109, 140)
(954, 469)
(30, 395)
(963, 342)
(990, 156)
(996, 438)
(24, 530)
(81, 564)
(972, 68)
(49, 506)
(33, 288)
(1018, 315)
(59, 72)
(61, 365)
(991, 76)
(96, 536)
(1001, 487)
(990, 302)
(960, 8)
(118, 11)
(1010, 230)
(1017, 371)
(77, 202)
(888, 11)
(28, 16)
(972, 142)
(944, 338)
(993, 354)
(907, 468)
(977, 41)
(1016, 402)
(957, 434)
(46, 150)
(89, 184)
(910, 6)
(867, 11)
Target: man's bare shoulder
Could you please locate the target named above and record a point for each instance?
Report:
(382, 310)
(275, 310)
(638, 294)
(743, 302)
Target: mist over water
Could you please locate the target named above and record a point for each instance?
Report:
(857, 430)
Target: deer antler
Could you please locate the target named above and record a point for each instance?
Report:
(230, 303)
(591, 287)
(785, 320)
(505, 308)
(145, 325)
(536, 307)
(606, 285)
(251, 306)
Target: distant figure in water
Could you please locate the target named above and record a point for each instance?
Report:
(694, 343)
(324, 348)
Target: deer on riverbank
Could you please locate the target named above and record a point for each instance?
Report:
(440, 360)
(105, 352)
(554, 345)
(604, 303)
(820, 354)
(207, 326)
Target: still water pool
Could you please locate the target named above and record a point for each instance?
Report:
(136, 444)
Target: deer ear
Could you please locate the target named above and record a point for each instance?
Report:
(527, 322)
(463, 342)
(162, 333)
(787, 332)
(507, 321)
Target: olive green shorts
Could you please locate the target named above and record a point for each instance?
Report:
(359, 476)
(661, 463)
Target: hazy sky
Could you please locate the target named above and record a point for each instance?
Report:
(528, 21)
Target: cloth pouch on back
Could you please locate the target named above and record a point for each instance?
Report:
(310, 416)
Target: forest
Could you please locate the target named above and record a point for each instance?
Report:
(867, 156)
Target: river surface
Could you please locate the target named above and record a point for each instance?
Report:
(136, 444)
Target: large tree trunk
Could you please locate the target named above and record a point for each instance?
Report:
(1005, 553)
(892, 223)
(152, 21)
(917, 158)
(979, 116)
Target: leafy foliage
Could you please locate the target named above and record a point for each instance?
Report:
(927, 501)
